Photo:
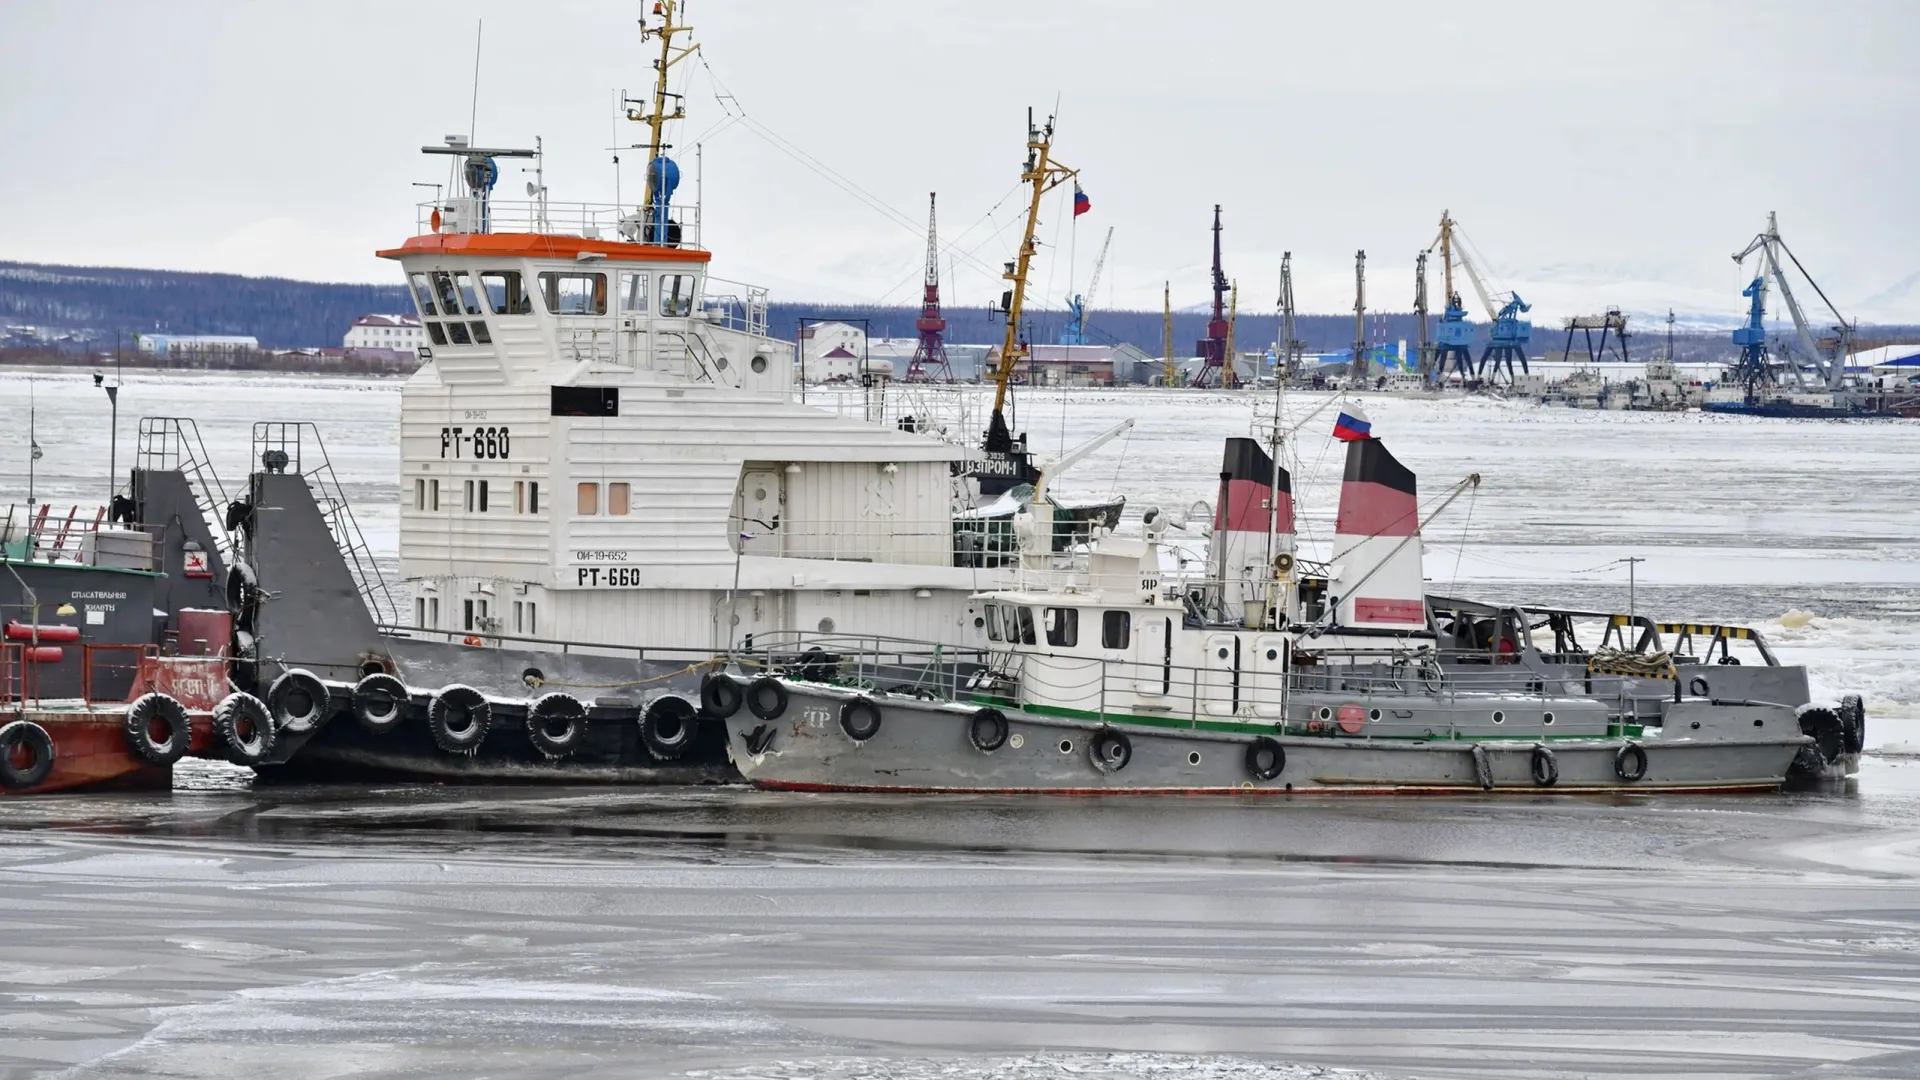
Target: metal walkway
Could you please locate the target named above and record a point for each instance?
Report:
(295, 447)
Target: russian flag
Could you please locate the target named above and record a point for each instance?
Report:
(1352, 425)
(1081, 204)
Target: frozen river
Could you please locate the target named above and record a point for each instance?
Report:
(399, 931)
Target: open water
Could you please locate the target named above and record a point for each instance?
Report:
(389, 931)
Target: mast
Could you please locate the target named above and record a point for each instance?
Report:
(1446, 257)
(1420, 313)
(1359, 367)
(1288, 346)
(1043, 175)
(662, 174)
(1168, 373)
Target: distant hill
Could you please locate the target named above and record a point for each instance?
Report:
(83, 307)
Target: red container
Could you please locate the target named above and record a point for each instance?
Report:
(42, 654)
(19, 631)
(209, 625)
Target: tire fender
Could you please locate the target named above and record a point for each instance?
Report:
(379, 703)
(459, 718)
(721, 695)
(860, 719)
(298, 701)
(767, 698)
(987, 730)
(556, 722)
(1110, 751)
(157, 710)
(1545, 767)
(39, 744)
(1630, 762)
(670, 722)
(1266, 758)
(243, 724)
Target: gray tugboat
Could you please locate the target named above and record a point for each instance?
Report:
(1101, 677)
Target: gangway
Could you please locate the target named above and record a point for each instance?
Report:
(172, 444)
(294, 446)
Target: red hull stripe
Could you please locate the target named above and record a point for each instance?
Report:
(1376, 510)
(1374, 610)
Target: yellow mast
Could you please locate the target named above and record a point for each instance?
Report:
(656, 121)
(1169, 374)
(1044, 174)
(1446, 256)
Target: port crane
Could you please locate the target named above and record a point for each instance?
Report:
(1357, 371)
(1290, 348)
(1423, 353)
(929, 362)
(1169, 370)
(1076, 330)
(1508, 338)
(1828, 355)
(1216, 365)
(1453, 337)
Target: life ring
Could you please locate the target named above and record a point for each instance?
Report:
(1630, 762)
(766, 698)
(1110, 750)
(987, 730)
(1546, 770)
(860, 719)
(244, 724)
(379, 702)
(31, 737)
(157, 729)
(1482, 767)
(473, 641)
(720, 695)
(298, 701)
(1829, 734)
(1698, 687)
(670, 723)
(1266, 758)
(555, 724)
(459, 717)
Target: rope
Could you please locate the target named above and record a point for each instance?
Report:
(1461, 551)
(688, 670)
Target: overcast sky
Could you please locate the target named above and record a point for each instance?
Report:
(1595, 154)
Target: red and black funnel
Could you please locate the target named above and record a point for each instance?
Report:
(1379, 496)
(1251, 488)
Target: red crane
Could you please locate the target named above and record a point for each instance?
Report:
(1216, 367)
(930, 356)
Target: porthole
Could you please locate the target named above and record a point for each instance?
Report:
(1326, 713)
(758, 364)
(1499, 718)
(826, 626)
(1759, 723)
(1546, 718)
(979, 621)
(759, 494)
(1016, 740)
(1223, 652)
(1273, 654)
(720, 362)
(1374, 716)
(1193, 758)
(1066, 746)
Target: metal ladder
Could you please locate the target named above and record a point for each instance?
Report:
(172, 443)
(279, 446)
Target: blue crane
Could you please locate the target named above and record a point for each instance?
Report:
(1075, 332)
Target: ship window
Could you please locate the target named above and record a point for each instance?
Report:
(468, 613)
(1063, 627)
(433, 494)
(574, 294)
(434, 331)
(676, 295)
(480, 335)
(1023, 621)
(483, 496)
(469, 496)
(419, 611)
(468, 298)
(444, 294)
(533, 496)
(589, 496)
(618, 499)
(419, 494)
(633, 294)
(993, 623)
(423, 295)
(457, 333)
(433, 612)
(519, 496)
(505, 293)
(1116, 629)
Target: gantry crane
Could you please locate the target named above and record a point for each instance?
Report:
(1827, 355)
(1508, 338)
(1453, 338)
(1076, 330)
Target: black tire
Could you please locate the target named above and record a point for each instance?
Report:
(1483, 767)
(555, 725)
(1266, 758)
(860, 719)
(459, 718)
(24, 738)
(1110, 751)
(818, 665)
(1546, 769)
(157, 729)
(720, 695)
(1630, 763)
(766, 698)
(380, 703)
(1809, 768)
(669, 725)
(987, 730)
(1829, 734)
(1853, 716)
(243, 723)
(298, 701)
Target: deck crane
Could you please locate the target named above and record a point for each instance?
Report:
(1453, 338)
(1827, 355)
(1076, 331)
